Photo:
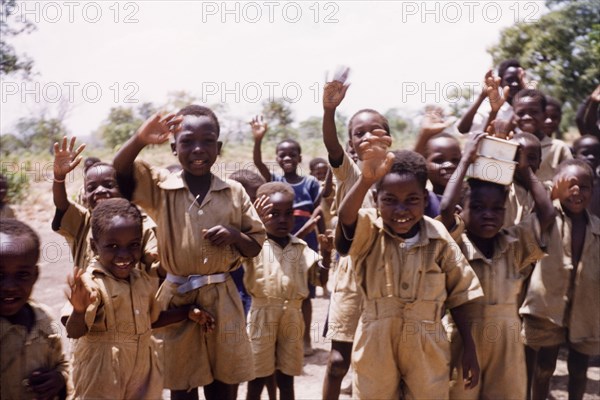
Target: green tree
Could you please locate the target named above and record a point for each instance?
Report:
(39, 134)
(561, 50)
(279, 116)
(12, 23)
(119, 126)
(399, 126)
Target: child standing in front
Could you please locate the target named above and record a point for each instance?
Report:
(561, 303)
(277, 281)
(587, 148)
(307, 189)
(113, 310)
(501, 258)
(32, 362)
(205, 225)
(409, 270)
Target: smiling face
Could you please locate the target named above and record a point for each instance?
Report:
(552, 121)
(529, 116)
(484, 211)
(282, 215)
(362, 126)
(100, 184)
(197, 144)
(576, 196)
(512, 80)
(119, 246)
(288, 156)
(319, 171)
(443, 156)
(401, 201)
(18, 272)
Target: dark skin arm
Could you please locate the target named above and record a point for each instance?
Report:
(46, 383)
(65, 161)
(464, 126)
(80, 297)
(432, 124)
(192, 312)
(333, 94)
(471, 370)
(453, 190)
(220, 236)
(259, 129)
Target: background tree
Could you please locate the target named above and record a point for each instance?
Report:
(279, 116)
(119, 126)
(561, 50)
(12, 23)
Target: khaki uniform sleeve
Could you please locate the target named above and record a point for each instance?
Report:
(150, 257)
(146, 194)
(364, 234)
(73, 222)
(93, 309)
(251, 224)
(313, 262)
(528, 248)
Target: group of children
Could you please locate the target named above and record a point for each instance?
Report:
(443, 288)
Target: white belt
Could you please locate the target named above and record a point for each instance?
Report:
(193, 282)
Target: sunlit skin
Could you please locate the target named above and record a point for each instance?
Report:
(575, 193)
(119, 248)
(443, 155)
(552, 121)
(512, 80)
(197, 145)
(363, 126)
(529, 116)
(588, 150)
(319, 171)
(281, 220)
(531, 153)
(401, 201)
(100, 184)
(288, 157)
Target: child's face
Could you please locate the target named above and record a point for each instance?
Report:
(552, 121)
(588, 150)
(18, 272)
(119, 248)
(529, 116)
(319, 171)
(532, 152)
(484, 212)
(100, 184)
(362, 126)
(282, 215)
(443, 156)
(511, 79)
(251, 189)
(288, 157)
(401, 201)
(576, 196)
(197, 145)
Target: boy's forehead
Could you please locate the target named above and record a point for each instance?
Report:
(404, 182)
(100, 171)
(201, 124)
(16, 245)
(529, 101)
(488, 193)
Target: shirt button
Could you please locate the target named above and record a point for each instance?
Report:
(137, 312)
(404, 285)
(402, 245)
(200, 212)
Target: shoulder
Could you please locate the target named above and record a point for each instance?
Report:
(435, 229)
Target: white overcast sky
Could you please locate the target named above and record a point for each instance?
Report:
(97, 55)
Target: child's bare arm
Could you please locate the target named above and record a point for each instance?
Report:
(497, 99)
(46, 383)
(454, 187)
(432, 124)
(470, 365)
(311, 224)
(155, 130)
(192, 312)
(220, 235)
(333, 94)
(80, 297)
(65, 161)
(464, 126)
(259, 129)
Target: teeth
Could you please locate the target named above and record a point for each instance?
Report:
(198, 162)
(9, 299)
(402, 220)
(121, 264)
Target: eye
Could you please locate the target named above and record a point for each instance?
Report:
(23, 275)
(135, 245)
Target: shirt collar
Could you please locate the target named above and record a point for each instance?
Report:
(45, 329)
(175, 182)
(593, 222)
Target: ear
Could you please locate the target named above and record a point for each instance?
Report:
(173, 148)
(36, 272)
(219, 147)
(299, 158)
(94, 246)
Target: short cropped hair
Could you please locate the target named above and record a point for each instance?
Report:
(573, 162)
(551, 101)
(526, 137)
(98, 164)
(292, 142)
(247, 177)
(536, 94)
(16, 228)
(442, 135)
(577, 142)
(107, 209)
(409, 162)
(474, 184)
(506, 64)
(271, 188)
(90, 162)
(386, 124)
(201, 111)
(316, 161)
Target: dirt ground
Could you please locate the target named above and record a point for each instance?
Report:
(55, 265)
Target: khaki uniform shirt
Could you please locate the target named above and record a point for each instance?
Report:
(23, 352)
(433, 269)
(519, 204)
(281, 272)
(554, 152)
(180, 220)
(549, 296)
(347, 173)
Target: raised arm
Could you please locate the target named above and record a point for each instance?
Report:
(464, 126)
(65, 161)
(259, 129)
(453, 189)
(432, 124)
(80, 297)
(333, 94)
(155, 130)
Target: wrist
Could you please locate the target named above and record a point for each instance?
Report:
(59, 178)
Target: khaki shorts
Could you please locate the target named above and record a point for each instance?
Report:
(539, 332)
(345, 304)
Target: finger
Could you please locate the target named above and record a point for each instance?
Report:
(79, 150)
(389, 160)
(64, 143)
(76, 162)
(72, 143)
(56, 148)
(165, 118)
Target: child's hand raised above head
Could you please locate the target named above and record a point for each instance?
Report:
(471, 147)
(259, 127)
(376, 159)
(263, 207)
(502, 129)
(496, 99)
(334, 91)
(79, 295)
(65, 158)
(156, 129)
(202, 317)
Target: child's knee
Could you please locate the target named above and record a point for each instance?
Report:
(338, 366)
